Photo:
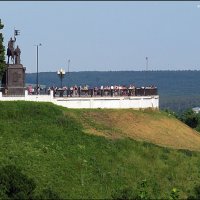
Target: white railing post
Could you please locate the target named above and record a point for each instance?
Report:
(51, 95)
(26, 93)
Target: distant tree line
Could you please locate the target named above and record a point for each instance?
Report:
(179, 104)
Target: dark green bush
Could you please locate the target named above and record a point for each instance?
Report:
(196, 195)
(14, 184)
(190, 118)
(125, 193)
(47, 194)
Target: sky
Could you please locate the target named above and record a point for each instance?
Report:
(105, 35)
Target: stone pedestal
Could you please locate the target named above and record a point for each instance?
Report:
(15, 79)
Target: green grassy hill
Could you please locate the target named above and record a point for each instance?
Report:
(91, 153)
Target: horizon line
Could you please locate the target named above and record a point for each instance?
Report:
(160, 70)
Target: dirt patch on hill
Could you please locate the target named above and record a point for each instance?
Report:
(151, 126)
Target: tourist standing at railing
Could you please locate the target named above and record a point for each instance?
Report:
(95, 91)
(102, 90)
(64, 89)
(48, 91)
(54, 91)
(116, 91)
(68, 91)
(106, 90)
(6, 91)
(71, 91)
(79, 91)
(111, 90)
(38, 89)
(90, 91)
(75, 90)
(29, 89)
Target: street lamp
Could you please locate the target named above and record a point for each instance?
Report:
(68, 66)
(61, 73)
(147, 63)
(37, 68)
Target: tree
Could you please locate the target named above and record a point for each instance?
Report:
(190, 118)
(2, 53)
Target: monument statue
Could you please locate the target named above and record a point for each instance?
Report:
(14, 77)
(10, 49)
(17, 53)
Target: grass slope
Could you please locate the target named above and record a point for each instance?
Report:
(147, 125)
(50, 144)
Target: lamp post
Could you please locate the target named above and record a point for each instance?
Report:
(147, 62)
(61, 74)
(68, 66)
(37, 68)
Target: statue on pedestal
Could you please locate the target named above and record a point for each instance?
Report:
(17, 53)
(10, 49)
(15, 72)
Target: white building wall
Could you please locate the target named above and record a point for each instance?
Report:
(136, 102)
(120, 102)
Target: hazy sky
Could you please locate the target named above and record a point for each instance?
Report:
(105, 35)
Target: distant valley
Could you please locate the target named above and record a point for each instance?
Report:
(178, 90)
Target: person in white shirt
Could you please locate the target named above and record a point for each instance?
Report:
(111, 90)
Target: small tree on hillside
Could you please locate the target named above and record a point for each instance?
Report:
(190, 118)
(2, 53)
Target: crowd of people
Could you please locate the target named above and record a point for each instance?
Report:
(85, 90)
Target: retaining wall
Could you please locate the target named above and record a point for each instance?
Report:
(135, 102)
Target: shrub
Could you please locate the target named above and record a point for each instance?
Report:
(190, 118)
(47, 194)
(14, 184)
(174, 194)
(196, 195)
(123, 194)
